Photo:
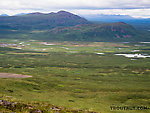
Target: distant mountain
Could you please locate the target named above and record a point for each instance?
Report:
(108, 18)
(20, 14)
(97, 32)
(43, 21)
(4, 15)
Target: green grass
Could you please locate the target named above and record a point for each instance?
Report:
(82, 80)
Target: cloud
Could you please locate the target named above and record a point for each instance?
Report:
(19, 6)
(78, 4)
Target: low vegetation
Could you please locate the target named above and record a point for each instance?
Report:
(73, 76)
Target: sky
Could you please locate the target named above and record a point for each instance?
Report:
(135, 8)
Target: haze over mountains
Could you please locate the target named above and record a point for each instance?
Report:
(109, 18)
(65, 26)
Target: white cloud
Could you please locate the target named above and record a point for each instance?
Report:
(69, 4)
(108, 6)
(82, 3)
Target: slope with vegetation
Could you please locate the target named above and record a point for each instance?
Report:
(96, 32)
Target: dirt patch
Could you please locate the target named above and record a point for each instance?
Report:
(10, 75)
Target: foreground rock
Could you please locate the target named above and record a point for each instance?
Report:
(21, 107)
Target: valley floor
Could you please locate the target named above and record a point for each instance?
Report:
(86, 76)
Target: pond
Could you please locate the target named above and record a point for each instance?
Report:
(134, 55)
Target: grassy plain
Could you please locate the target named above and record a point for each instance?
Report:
(77, 75)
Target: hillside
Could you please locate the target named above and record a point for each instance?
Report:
(97, 32)
(41, 20)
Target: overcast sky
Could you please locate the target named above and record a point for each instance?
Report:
(135, 8)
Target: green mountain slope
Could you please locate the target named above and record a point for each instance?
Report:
(102, 32)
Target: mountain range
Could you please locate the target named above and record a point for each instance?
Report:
(65, 26)
(139, 23)
(108, 18)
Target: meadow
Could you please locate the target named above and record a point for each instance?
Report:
(76, 75)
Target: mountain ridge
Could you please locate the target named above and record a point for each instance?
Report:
(39, 20)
